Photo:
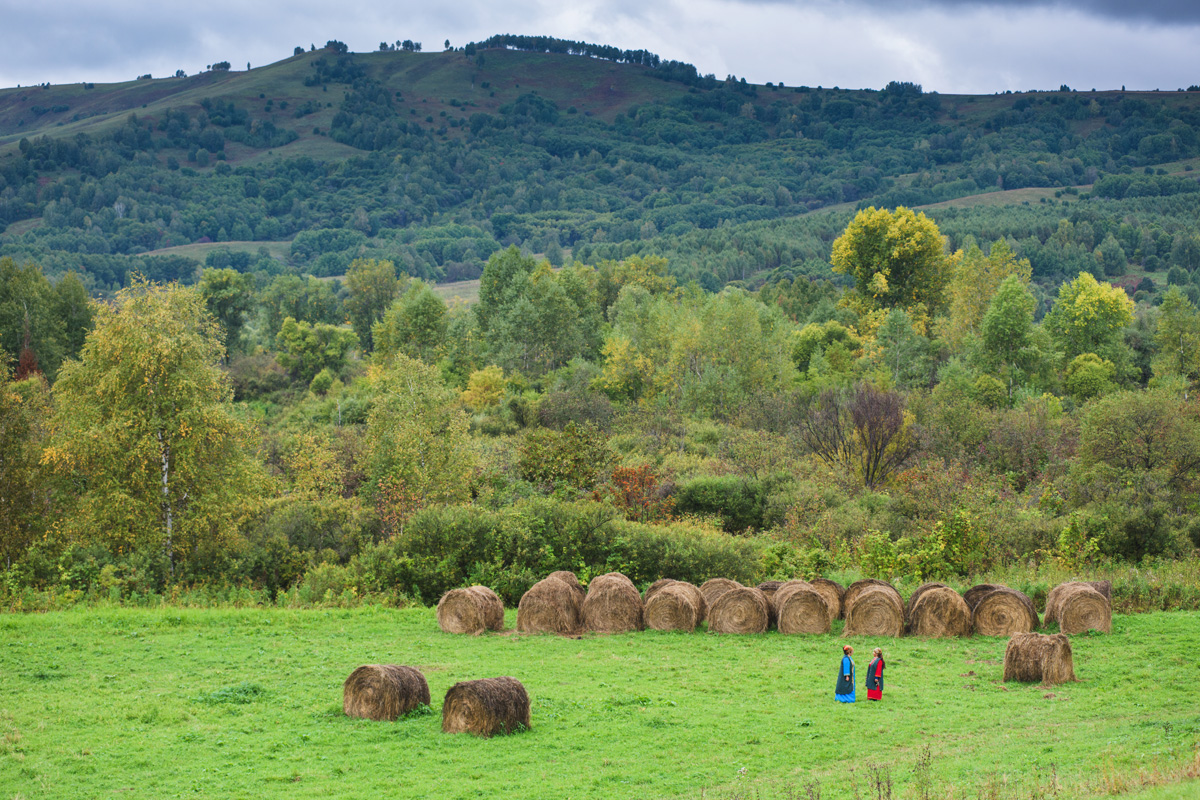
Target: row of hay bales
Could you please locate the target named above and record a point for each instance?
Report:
(484, 707)
(612, 604)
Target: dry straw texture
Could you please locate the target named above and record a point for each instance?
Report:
(612, 605)
(875, 611)
(655, 587)
(486, 707)
(472, 610)
(550, 606)
(915, 596)
(1078, 607)
(857, 588)
(713, 588)
(569, 579)
(1003, 612)
(740, 610)
(799, 608)
(832, 592)
(939, 612)
(976, 593)
(383, 691)
(1103, 587)
(1034, 657)
(673, 608)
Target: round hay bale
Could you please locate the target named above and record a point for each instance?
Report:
(383, 691)
(569, 579)
(939, 612)
(550, 606)
(1078, 607)
(975, 593)
(673, 608)
(713, 588)
(832, 592)
(740, 610)
(875, 611)
(1103, 587)
(1003, 612)
(799, 608)
(472, 610)
(486, 707)
(612, 605)
(653, 588)
(912, 598)
(858, 587)
(1033, 657)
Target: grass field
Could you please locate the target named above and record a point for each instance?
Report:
(247, 703)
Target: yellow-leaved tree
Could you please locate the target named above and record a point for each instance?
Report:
(144, 433)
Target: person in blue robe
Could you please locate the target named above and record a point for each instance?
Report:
(844, 693)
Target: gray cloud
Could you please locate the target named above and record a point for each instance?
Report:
(971, 46)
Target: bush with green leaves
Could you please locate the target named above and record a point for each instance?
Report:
(739, 502)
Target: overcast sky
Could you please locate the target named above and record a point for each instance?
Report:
(967, 46)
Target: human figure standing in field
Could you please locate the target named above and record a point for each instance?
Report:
(844, 693)
(875, 676)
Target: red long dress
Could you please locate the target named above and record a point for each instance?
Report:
(875, 680)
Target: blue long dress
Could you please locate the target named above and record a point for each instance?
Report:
(844, 693)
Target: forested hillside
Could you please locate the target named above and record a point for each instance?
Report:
(707, 332)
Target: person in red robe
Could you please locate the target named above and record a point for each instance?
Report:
(875, 676)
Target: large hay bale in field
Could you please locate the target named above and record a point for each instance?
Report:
(976, 593)
(875, 611)
(1078, 607)
(799, 608)
(833, 592)
(486, 707)
(939, 612)
(858, 587)
(1003, 612)
(1103, 587)
(612, 605)
(472, 610)
(383, 691)
(674, 608)
(1034, 657)
(713, 588)
(912, 598)
(655, 587)
(740, 610)
(569, 579)
(550, 606)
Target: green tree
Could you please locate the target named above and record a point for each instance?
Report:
(1177, 338)
(229, 297)
(1007, 341)
(501, 283)
(41, 324)
(1090, 317)
(415, 325)
(897, 259)
(144, 432)
(303, 299)
(372, 286)
(901, 352)
(417, 435)
(305, 349)
(24, 418)
(975, 282)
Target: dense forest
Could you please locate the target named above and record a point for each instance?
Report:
(711, 335)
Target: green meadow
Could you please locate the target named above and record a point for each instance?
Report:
(161, 703)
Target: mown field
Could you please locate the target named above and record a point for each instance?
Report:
(247, 703)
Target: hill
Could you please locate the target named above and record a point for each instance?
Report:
(437, 160)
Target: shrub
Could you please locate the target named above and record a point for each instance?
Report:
(578, 456)
(738, 502)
